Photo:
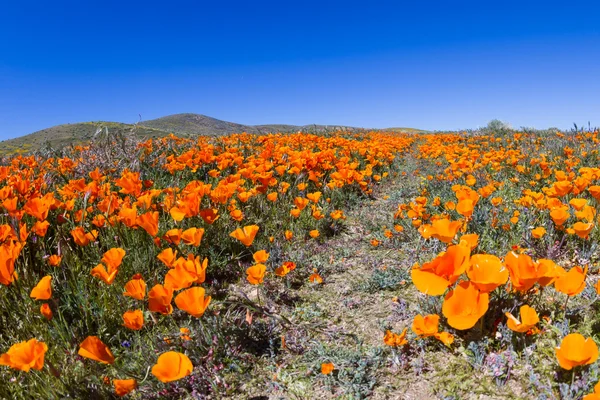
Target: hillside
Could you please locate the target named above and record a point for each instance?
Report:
(67, 134)
(186, 124)
(198, 124)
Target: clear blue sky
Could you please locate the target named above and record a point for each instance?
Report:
(431, 65)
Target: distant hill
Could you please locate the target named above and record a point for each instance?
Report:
(180, 124)
(67, 134)
(198, 124)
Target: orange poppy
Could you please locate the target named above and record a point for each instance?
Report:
(99, 271)
(395, 340)
(444, 229)
(256, 273)
(179, 278)
(193, 301)
(538, 232)
(529, 318)
(173, 236)
(192, 236)
(559, 216)
(113, 258)
(260, 256)
(285, 268)
(327, 368)
(465, 207)
(426, 326)
(315, 277)
(159, 299)
(487, 272)
(54, 260)
(522, 270)
(246, 234)
(25, 355)
(135, 288)
(149, 222)
(43, 290)
(172, 366)
(167, 257)
(576, 350)
(93, 348)
(435, 277)
(133, 320)
(124, 386)
(46, 311)
(314, 233)
(595, 395)
(464, 305)
(471, 239)
(573, 282)
(445, 337)
(582, 229)
(548, 272)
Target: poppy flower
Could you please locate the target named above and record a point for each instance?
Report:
(82, 238)
(256, 273)
(135, 288)
(192, 236)
(315, 277)
(25, 355)
(124, 386)
(99, 271)
(327, 368)
(179, 278)
(465, 207)
(54, 260)
(576, 350)
(582, 229)
(133, 320)
(172, 366)
(43, 290)
(113, 258)
(433, 278)
(285, 268)
(444, 230)
(93, 348)
(288, 235)
(246, 234)
(471, 240)
(595, 395)
(314, 233)
(40, 228)
(426, 326)
(573, 282)
(464, 305)
(193, 301)
(173, 236)
(209, 215)
(159, 299)
(445, 337)
(260, 256)
(538, 232)
(522, 270)
(529, 318)
(149, 222)
(46, 311)
(395, 340)
(548, 272)
(487, 272)
(559, 216)
(167, 257)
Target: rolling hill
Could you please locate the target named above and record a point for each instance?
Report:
(186, 124)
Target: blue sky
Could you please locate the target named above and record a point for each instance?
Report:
(431, 65)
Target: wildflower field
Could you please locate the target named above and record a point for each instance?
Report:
(330, 265)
